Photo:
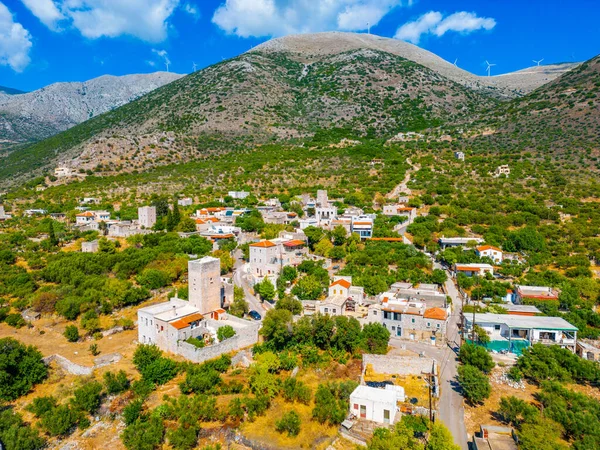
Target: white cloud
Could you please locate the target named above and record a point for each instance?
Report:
(15, 42)
(46, 11)
(434, 23)
(192, 10)
(247, 18)
(143, 19)
(163, 55)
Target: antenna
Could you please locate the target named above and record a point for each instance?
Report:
(368, 28)
(194, 66)
(538, 62)
(455, 61)
(489, 66)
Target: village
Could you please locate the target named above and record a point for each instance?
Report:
(427, 321)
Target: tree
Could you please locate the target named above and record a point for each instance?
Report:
(187, 225)
(144, 435)
(115, 384)
(440, 438)
(475, 385)
(16, 434)
(323, 247)
(183, 437)
(477, 356)
(339, 235)
(226, 259)
(438, 276)
(308, 288)
(515, 411)
(263, 383)
(60, 421)
(400, 437)
(375, 338)
(87, 397)
(276, 328)
(290, 303)
(329, 407)
(239, 306)
(225, 332)
(290, 422)
(296, 391)
(51, 234)
(21, 368)
(481, 335)
(314, 235)
(132, 411)
(266, 289)
(347, 334)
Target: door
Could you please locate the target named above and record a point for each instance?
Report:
(386, 416)
(363, 412)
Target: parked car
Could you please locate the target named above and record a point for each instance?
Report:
(255, 315)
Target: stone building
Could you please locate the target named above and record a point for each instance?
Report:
(147, 216)
(204, 279)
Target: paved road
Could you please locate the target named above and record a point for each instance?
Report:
(240, 278)
(451, 409)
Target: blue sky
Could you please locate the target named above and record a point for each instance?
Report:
(45, 41)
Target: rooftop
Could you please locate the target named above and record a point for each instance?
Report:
(337, 300)
(263, 244)
(435, 314)
(535, 322)
(521, 308)
(483, 248)
(375, 394)
(186, 321)
(341, 282)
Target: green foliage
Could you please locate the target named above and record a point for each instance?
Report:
(239, 306)
(15, 320)
(225, 332)
(15, 434)
(289, 423)
(144, 434)
(375, 338)
(60, 421)
(477, 356)
(296, 391)
(133, 411)
(116, 384)
(87, 398)
(71, 333)
(475, 385)
(331, 402)
(41, 405)
(290, 303)
(154, 367)
(21, 368)
(265, 289)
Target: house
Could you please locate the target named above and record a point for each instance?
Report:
(268, 257)
(363, 226)
(89, 201)
(493, 437)
(238, 195)
(515, 332)
(374, 404)
(534, 293)
(588, 349)
(400, 210)
(410, 319)
(521, 310)
(30, 315)
(502, 170)
(489, 251)
(170, 325)
(458, 241)
(35, 212)
(459, 155)
(324, 214)
(473, 269)
(89, 247)
(3, 214)
(147, 216)
(322, 199)
(430, 293)
(61, 172)
(88, 217)
(343, 297)
(188, 201)
(308, 222)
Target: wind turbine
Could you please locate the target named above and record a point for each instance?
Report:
(368, 28)
(194, 66)
(455, 61)
(489, 66)
(538, 62)
(167, 62)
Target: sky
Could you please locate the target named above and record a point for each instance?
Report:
(47, 41)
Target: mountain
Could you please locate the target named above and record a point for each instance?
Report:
(60, 106)
(308, 47)
(561, 117)
(9, 91)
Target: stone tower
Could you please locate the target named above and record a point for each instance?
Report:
(204, 279)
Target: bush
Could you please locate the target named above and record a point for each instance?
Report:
(132, 411)
(87, 397)
(41, 405)
(475, 385)
(15, 320)
(21, 368)
(290, 423)
(144, 435)
(115, 384)
(296, 391)
(183, 438)
(375, 338)
(200, 379)
(153, 279)
(331, 402)
(60, 421)
(515, 374)
(160, 371)
(477, 356)
(225, 332)
(17, 435)
(71, 333)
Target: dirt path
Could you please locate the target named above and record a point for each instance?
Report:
(402, 187)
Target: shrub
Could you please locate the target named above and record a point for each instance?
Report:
(375, 338)
(290, 422)
(475, 385)
(21, 367)
(144, 435)
(115, 384)
(225, 332)
(200, 379)
(132, 411)
(71, 333)
(15, 320)
(296, 391)
(60, 421)
(329, 407)
(41, 405)
(87, 397)
(183, 438)
(477, 356)
(17, 435)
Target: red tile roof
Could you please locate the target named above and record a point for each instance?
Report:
(263, 244)
(341, 282)
(482, 248)
(435, 313)
(185, 322)
(294, 243)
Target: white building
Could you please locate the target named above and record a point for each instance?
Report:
(363, 226)
(268, 257)
(3, 214)
(502, 170)
(458, 241)
(474, 269)
(239, 195)
(88, 217)
(89, 247)
(535, 293)
(322, 199)
(325, 214)
(188, 201)
(400, 210)
(459, 155)
(377, 405)
(489, 251)
(343, 297)
(147, 216)
(61, 172)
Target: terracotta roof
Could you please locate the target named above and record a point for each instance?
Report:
(363, 223)
(435, 313)
(294, 243)
(468, 268)
(482, 248)
(200, 222)
(212, 219)
(185, 322)
(220, 310)
(86, 214)
(292, 214)
(222, 236)
(263, 244)
(341, 282)
(404, 208)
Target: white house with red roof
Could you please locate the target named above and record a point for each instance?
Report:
(343, 297)
(489, 251)
(535, 293)
(267, 258)
(89, 217)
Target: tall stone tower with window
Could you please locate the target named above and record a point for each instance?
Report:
(204, 280)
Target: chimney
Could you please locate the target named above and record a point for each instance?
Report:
(174, 310)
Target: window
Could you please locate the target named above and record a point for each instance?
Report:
(393, 328)
(326, 309)
(374, 312)
(497, 327)
(438, 325)
(334, 310)
(356, 406)
(412, 320)
(428, 324)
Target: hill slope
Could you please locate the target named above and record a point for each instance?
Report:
(10, 91)
(55, 108)
(308, 47)
(258, 96)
